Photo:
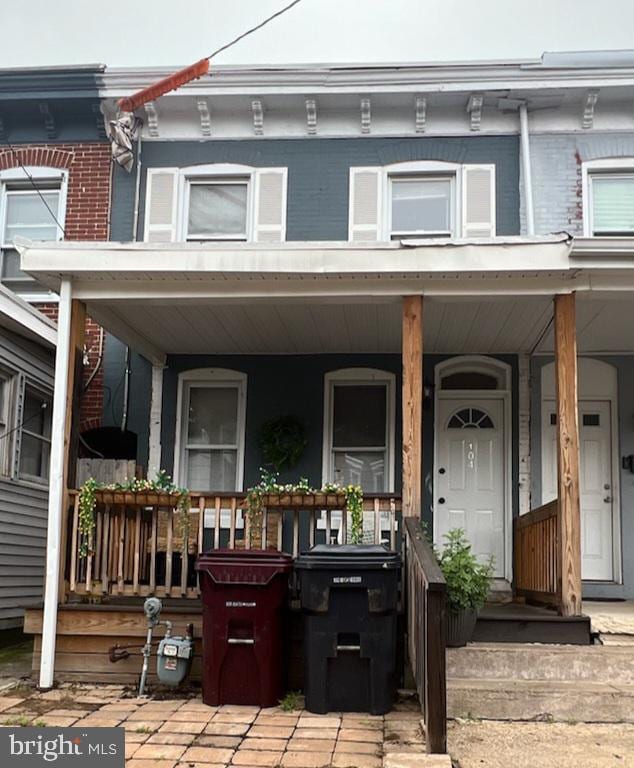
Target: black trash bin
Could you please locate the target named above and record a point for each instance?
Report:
(349, 597)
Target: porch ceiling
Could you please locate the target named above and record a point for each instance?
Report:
(452, 326)
(480, 296)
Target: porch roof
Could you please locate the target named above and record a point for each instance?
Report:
(483, 295)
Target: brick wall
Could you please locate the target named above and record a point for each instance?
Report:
(556, 161)
(87, 218)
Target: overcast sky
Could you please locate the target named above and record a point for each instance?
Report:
(166, 32)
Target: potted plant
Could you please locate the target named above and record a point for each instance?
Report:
(468, 583)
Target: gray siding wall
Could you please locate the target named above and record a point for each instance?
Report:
(318, 171)
(23, 506)
(556, 161)
(625, 379)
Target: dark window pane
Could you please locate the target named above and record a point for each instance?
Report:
(591, 420)
(469, 380)
(359, 415)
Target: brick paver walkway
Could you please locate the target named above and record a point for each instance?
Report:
(185, 732)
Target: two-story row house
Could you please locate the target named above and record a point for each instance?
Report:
(429, 267)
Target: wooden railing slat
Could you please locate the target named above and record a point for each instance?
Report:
(537, 573)
(132, 530)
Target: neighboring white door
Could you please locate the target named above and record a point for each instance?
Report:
(469, 475)
(595, 482)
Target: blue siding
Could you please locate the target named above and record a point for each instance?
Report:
(318, 171)
(294, 384)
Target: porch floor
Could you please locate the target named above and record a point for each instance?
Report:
(183, 731)
(612, 620)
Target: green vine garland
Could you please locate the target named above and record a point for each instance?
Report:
(268, 484)
(161, 484)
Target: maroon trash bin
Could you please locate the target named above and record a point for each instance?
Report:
(244, 604)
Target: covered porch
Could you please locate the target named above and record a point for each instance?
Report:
(456, 332)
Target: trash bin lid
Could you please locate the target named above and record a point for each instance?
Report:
(359, 556)
(244, 566)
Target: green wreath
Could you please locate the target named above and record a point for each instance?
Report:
(282, 442)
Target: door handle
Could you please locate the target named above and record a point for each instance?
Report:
(441, 500)
(607, 499)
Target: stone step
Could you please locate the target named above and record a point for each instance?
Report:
(557, 663)
(556, 701)
(419, 760)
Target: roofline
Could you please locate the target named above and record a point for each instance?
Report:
(552, 70)
(30, 322)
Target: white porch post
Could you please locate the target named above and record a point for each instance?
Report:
(57, 482)
(154, 448)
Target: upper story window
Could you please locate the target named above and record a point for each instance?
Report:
(608, 197)
(359, 429)
(422, 206)
(217, 209)
(421, 199)
(217, 202)
(31, 209)
(210, 433)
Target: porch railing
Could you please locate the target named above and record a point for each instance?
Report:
(141, 544)
(537, 555)
(426, 605)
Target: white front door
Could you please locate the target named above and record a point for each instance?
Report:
(469, 475)
(595, 482)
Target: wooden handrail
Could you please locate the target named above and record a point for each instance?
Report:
(537, 555)
(426, 628)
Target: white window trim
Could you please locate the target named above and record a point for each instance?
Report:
(423, 168)
(215, 172)
(215, 377)
(360, 376)
(611, 164)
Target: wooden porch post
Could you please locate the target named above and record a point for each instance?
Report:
(569, 513)
(412, 353)
(70, 339)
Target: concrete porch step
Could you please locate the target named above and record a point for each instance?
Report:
(590, 702)
(552, 663)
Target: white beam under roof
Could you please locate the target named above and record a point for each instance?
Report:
(107, 262)
(19, 316)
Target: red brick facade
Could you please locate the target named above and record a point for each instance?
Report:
(87, 218)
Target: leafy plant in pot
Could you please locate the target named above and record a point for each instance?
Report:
(468, 583)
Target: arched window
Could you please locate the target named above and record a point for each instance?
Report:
(470, 418)
(472, 373)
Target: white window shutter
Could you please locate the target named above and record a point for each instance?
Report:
(364, 213)
(161, 203)
(269, 208)
(478, 201)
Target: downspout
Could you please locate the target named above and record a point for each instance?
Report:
(135, 226)
(526, 171)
